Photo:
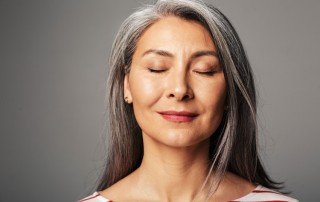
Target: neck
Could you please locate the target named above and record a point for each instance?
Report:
(164, 169)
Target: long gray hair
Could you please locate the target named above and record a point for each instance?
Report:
(233, 146)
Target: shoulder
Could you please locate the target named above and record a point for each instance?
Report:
(95, 197)
(123, 190)
(264, 194)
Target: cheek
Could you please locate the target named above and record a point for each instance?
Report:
(213, 102)
(213, 95)
(145, 91)
(215, 110)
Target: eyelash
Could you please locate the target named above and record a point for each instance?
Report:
(209, 73)
(156, 70)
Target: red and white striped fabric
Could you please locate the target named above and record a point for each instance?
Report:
(262, 194)
(259, 194)
(95, 197)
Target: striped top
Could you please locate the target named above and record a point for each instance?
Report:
(264, 194)
(260, 193)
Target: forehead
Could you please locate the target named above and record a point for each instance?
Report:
(175, 34)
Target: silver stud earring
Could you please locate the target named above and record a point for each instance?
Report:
(126, 100)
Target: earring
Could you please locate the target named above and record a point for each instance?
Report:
(126, 100)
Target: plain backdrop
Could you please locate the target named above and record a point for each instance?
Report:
(53, 59)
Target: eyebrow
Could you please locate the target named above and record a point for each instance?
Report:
(193, 56)
(158, 52)
(204, 53)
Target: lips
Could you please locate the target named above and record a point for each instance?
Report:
(178, 116)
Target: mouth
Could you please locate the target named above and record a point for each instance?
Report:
(178, 116)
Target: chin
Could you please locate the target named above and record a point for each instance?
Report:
(179, 139)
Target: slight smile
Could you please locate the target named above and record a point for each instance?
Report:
(175, 116)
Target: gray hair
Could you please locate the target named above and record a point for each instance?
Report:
(233, 146)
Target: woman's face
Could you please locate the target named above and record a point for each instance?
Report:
(176, 83)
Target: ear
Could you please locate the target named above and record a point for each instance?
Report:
(126, 90)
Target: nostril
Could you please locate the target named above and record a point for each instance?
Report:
(185, 97)
(180, 92)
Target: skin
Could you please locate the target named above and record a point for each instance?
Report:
(175, 67)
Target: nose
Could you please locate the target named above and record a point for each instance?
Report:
(179, 86)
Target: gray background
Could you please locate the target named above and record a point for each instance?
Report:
(53, 59)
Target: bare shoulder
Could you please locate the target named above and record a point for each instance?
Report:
(238, 183)
(123, 190)
(119, 191)
(235, 186)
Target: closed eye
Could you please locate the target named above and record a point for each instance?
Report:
(156, 70)
(209, 73)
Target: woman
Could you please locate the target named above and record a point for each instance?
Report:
(182, 111)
